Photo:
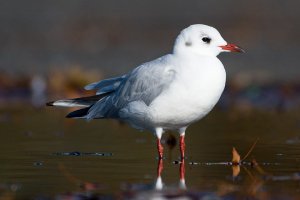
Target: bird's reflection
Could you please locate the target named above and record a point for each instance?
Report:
(252, 187)
(182, 175)
(160, 167)
(159, 185)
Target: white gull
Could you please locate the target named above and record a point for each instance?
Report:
(168, 93)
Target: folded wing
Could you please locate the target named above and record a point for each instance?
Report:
(144, 84)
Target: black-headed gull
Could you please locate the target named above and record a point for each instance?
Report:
(168, 93)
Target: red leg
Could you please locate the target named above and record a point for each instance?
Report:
(182, 170)
(182, 146)
(160, 167)
(160, 149)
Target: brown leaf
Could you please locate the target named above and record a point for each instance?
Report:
(236, 158)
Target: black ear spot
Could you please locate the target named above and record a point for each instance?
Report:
(188, 44)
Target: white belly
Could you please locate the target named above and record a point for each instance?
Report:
(190, 97)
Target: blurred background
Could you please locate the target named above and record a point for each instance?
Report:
(54, 48)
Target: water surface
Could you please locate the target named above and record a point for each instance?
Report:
(43, 155)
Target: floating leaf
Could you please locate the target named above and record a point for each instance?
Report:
(236, 158)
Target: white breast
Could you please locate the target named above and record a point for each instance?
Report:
(197, 88)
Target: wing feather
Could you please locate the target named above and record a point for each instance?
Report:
(144, 83)
(107, 85)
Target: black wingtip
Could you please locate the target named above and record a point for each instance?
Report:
(78, 113)
(69, 116)
(51, 103)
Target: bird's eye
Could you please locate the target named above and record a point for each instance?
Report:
(206, 40)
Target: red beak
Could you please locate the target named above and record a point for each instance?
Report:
(232, 48)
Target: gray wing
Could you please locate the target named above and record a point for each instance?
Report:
(144, 83)
(105, 86)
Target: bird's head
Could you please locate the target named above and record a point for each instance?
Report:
(201, 39)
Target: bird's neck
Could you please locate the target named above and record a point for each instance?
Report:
(188, 56)
(184, 52)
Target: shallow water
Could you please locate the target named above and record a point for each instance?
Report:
(43, 155)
